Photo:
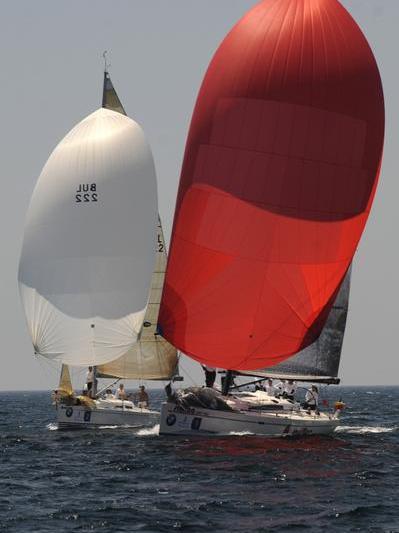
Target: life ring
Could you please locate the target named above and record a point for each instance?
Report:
(69, 412)
(171, 420)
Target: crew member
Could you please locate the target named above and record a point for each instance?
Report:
(90, 381)
(270, 388)
(312, 399)
(121, 393)
(108, 395)
(142, 398)
(289, 390)
(210, 376)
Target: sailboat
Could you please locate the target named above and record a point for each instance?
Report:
(93, 262)
(279, 174)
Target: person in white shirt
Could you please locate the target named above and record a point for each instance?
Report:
(121, 393)
(289, 390)
(312, 399)
(280, 385)
(270, 388)
(108, 395)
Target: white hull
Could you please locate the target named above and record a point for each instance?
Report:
(198, 421)
(78, 416)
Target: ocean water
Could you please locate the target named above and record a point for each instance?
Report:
(124, 480)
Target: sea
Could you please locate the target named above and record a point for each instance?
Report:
(124, 480)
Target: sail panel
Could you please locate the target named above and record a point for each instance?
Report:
(322, 357)
(280, 169)
(152, 357)
(65, 384)
(88, 249)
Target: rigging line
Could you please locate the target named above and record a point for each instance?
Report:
(106, 64)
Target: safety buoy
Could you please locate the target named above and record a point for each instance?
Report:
(69, 412)
(171, 420)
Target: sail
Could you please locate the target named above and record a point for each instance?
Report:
(280, 169)
(319, 361)
(152, 357)
(88, 249)
(65, 384)
(110, 96)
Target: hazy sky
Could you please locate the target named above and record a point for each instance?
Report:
(51, 77)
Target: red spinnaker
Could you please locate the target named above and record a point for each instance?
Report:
(280, 169)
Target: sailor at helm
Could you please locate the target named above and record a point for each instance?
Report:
(311, 399)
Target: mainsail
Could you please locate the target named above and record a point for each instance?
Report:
(319, 361)
(279, 173)
(152, 357)
(88, 253)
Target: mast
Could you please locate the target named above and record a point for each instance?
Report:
(151, 357)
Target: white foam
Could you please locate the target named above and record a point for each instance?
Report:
(52, 426)
(360, 430)
(240, 433)
(146, 432)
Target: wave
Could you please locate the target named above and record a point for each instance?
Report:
(146, 432)
(52, 426)
(240, 433)
(361, 430)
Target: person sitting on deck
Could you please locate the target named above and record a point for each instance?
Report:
(312, 399)
(280, 386)
(108, 395)
(270, 388)
(143, 400)
(121, 393)
(289, 390)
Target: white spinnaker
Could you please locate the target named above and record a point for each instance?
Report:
(88, 250)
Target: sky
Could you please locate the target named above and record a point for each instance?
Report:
(51, 77)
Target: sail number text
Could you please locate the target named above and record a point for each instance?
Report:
(86, 192)
(160, 244)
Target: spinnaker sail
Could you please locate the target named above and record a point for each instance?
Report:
(279, 173)
(88, 250)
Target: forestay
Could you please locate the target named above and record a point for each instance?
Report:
(88, 250)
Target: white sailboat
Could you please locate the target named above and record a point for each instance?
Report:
(87, 279)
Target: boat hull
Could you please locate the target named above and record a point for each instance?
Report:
(69, 417)
(198, 421)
